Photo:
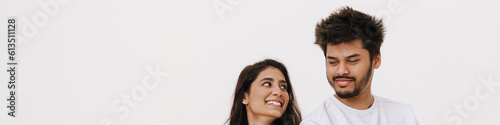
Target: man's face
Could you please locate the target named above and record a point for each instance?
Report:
(348, 68)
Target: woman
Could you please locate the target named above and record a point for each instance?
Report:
(264, 95)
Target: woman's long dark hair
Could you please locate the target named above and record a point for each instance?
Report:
(238, 115)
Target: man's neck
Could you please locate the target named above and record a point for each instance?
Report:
(362, 101)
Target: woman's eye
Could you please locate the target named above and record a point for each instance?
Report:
(267, 84)
(284, 87)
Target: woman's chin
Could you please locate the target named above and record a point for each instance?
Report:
(275, 114)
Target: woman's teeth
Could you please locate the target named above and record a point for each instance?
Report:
(274, 103)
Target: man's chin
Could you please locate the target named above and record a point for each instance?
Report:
(344, 95)
(342, 87)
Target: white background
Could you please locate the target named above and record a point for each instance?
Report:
(78, 57)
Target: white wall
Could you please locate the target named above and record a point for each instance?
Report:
(78, 59)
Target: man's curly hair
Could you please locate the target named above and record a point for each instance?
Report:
(346, 25)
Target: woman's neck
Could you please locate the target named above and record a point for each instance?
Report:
(258, 120)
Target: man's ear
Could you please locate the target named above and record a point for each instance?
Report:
(376, 61)
(245, 98)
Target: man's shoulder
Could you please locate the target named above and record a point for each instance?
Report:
(391, 104)
(322, 108)
(320, 114)
(400, 113)
(329, 113)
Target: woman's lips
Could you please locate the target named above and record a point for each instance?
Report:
(274, 103)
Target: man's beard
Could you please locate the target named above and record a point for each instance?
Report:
(358, 85)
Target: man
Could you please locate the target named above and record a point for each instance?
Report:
(351, 42)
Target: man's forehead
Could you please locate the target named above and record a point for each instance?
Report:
(346, 49)
(355, 43)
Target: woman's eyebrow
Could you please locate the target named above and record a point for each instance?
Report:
(270, 79)
(282, 81)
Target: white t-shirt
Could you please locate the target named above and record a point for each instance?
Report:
(382, 112)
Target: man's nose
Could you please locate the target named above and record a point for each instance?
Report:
(342, 70)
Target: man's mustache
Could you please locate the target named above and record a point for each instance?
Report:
(345, 77)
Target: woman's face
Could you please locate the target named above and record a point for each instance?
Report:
(268, 94)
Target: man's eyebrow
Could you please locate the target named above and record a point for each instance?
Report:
(353, 55)
(330, 57)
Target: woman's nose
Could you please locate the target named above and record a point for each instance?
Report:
(277, 91)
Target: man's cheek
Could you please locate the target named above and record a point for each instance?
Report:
(330, 72)
(330, 77)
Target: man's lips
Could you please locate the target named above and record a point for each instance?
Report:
(342, 82)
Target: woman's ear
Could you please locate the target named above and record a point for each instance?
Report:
(245, 99)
